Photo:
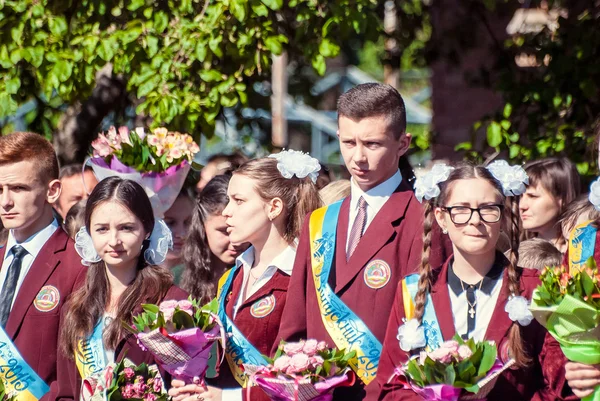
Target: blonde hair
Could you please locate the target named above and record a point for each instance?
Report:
(335, 191)
(299, 195)
(537, 253)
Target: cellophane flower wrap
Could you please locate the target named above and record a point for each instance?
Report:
(567, 303)
(6, 395)
(457, 370)
(125, 381)
(159, 160)
(303, 371)
(180, 334)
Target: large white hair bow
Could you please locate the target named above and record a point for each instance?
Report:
(295, 163)
(160, 241)
(428, 186)
(513, 178)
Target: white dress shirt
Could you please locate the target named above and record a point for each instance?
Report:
(32, 245)
(486, 298)
(284, 262)
(375, 198)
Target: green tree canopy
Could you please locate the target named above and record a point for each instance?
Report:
(182, 60)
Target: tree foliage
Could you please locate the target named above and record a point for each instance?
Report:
(183, 60)
(552, 107)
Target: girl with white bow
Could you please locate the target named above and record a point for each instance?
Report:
(268, 201)
(478, 293)
(123, 245)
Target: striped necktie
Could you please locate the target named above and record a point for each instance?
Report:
(357, 227)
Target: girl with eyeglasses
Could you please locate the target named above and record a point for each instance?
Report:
(469, 294)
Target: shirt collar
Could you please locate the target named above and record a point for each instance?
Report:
(376, 196)
(488, 284)
(33, 244)
(284, 261)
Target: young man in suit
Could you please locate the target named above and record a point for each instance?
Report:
(345, 277)
(39, 264)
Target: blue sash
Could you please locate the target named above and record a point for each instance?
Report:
(346, 329)
(433, 333)
(239, 351)
(17, 375)
(582, 244)
(90, 357)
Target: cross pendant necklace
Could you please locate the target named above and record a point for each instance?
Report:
(471, 305)
(472, 310)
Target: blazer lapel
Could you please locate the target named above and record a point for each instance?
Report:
(44, 264)
(279, 282)
(441, 303)
(379, 232)
(500, 322)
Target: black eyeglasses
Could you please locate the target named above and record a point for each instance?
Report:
(463, 214)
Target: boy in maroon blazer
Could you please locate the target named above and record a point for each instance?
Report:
(39, 265)
(378, 233)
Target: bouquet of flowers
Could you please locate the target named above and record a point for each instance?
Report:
(303, 371)
(6, 395)
(125, 381)
(159, 161)
(568, 305)
(180, 335)
(457, 370)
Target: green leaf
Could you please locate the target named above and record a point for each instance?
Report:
(319, 65)
(238, 9)
(12, 85)
(58, 25)
(63, 69)
(210, 75)
(328, 48)
(507, 110)
(135, 4)
(273, 4)
(201, 51)
(463, 146)
(214, 45)
(274, 45)
(260, 10)
(161, 21)
(152, 42)
(494, 134)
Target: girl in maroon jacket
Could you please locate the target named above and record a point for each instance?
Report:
(478, 293)
(268, 200)
(123, 245)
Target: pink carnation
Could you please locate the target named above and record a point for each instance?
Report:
(464, 352)
(150, 397)
(441, 354)
(321, 346)
(300, 362)
(186, 306)
(316, 361)
(129, 373)
(282, 363)
(293, 348)
(127, 391)
(168, 308)
(310, 347)
(157, 385)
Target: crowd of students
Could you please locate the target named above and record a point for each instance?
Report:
(75, 267)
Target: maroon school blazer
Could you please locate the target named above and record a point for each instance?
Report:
(544, 379)
(68, 385)
(392, 245)
(258, 319)
(34, 319)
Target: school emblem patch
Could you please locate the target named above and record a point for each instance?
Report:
(263, 307)
(377, 274)
(47, 299)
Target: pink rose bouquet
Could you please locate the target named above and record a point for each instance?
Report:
(180, 335)
(125, 381)
(303, 371)
(457, 370)
(158, 160)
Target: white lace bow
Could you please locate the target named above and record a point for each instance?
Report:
(513, 178)
(594, 195)
(517, 308)
(411, 335)
(160, 241)
(428, 186)
(295, 163)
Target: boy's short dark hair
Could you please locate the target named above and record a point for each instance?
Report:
(537, 253)
(374, 100)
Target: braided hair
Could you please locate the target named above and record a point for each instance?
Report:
(465, 171)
